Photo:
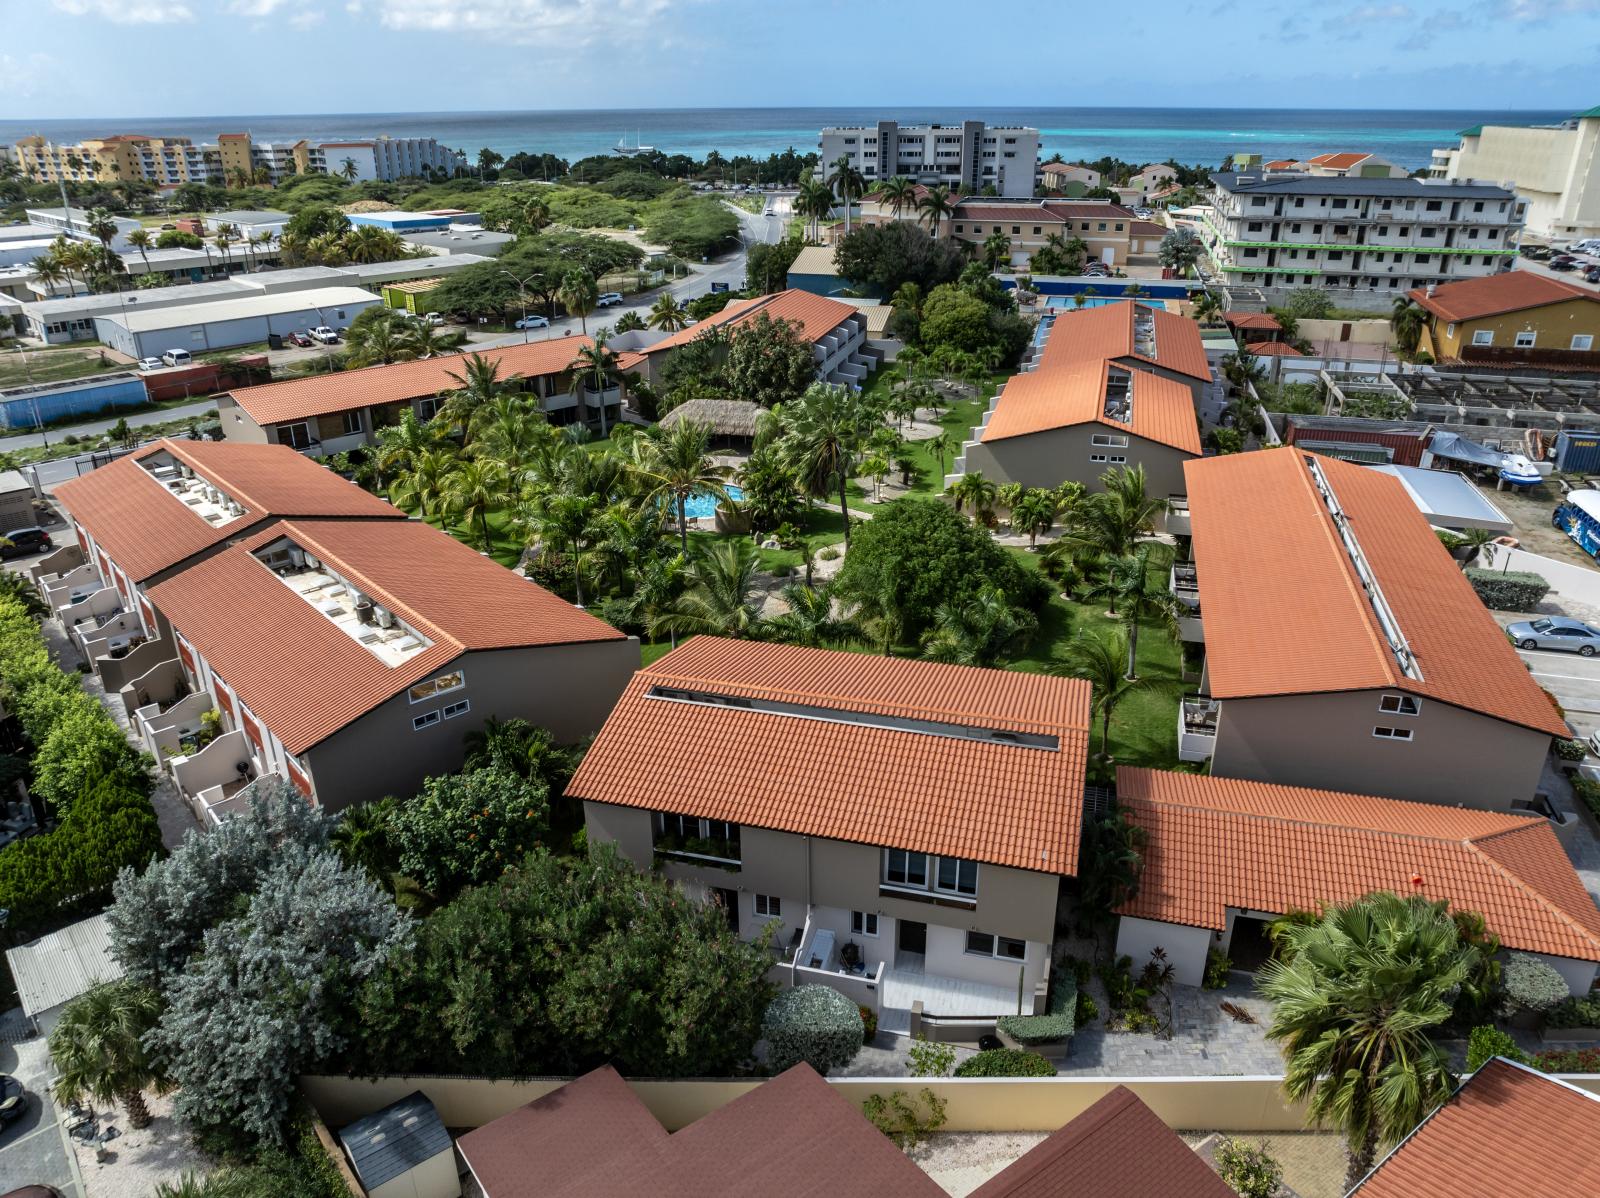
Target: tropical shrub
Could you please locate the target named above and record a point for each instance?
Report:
(1487, 1041)
(1568, 1060)
(1588, 791)
(1574, 1012)
(815, 1024)
(1086, 1011)
(902, 1118)
(929, 1058)
(1508, 590)
(1217, 966)
(1005, 1062)
(869, 1024)
(1571, 749)
(1528, 984)
(468, 828)
(1247, 1170)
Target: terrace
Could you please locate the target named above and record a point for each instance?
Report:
(215, 773)
(384, 634)
(1197, 727)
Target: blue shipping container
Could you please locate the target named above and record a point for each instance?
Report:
(25, 407)
(1578, 452)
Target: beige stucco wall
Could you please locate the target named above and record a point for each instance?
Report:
(1185, 947)
(236, 426)
(569, 689)
(1455, 756)
(1049, 458)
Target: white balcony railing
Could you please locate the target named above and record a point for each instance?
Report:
(229, 758)
(165, 732)
(1197, 728)
(1178, 516)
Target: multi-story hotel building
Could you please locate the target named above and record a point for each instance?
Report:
(1283, 229)
(968, 156)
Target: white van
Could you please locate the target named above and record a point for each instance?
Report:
(177, 357)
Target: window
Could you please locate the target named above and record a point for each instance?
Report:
(1525, 340)
(1102, 226)
(460, 707)
(1430, 232)
(1583, 341)
(295, 436)
(1399, 705)
(453, 681)
(1015, 229)
(350, 422)
(1115, 459)
(688, 835)
(1036, 230)
(1478, 207)
(1250, 253)
(977, 228)
(864, 923)
(1405, 230)
(1114, 440)
(1392, 733)
(427, 408)
(984, 944)
(424, 720)
(1317, 229)
(1341, 203)
(1483, 337)
(901, 868)
(769, 905)
(1253, 227)
(957, 876)
(1434, 206)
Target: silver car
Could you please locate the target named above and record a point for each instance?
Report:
(1556, 632)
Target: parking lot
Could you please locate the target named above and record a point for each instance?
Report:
(1574, 680)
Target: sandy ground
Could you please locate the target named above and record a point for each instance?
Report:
(1530, 512)
(138, 1161)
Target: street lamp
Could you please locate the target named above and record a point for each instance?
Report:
(522, 290)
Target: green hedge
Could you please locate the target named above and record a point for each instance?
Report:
(1509, 590)
(1588, 792)
(815, 1024)
(1530, 984)
(1059, 1020)
(1005, 1062)
(1574, 1012)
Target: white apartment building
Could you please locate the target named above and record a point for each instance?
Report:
(968, 156)
(1554, 168)
(74, 223)
(1287, 229)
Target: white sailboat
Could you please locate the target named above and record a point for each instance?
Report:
(637, 148)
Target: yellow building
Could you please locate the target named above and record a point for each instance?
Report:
(164, 161)
(1518, 316)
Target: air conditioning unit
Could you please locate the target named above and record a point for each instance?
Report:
(383, 616)
(297, 557)
(312, 563)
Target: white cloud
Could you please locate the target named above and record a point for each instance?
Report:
(308, 18)
(1535, 11)
(258, 8)
(128, 12)
(22, 78)
(576, 22)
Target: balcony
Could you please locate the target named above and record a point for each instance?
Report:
(113, 637)
(178, 730)
(1178, 517)
(74, 586)
(830, 957)
(1185, 585)
(50, 568)
(1197, 727)
(704, 852)
(159, 680)
(227, 759)
(218, 804)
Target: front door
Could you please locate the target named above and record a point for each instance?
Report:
(728, 900)
(1251, 947)
(913, 936)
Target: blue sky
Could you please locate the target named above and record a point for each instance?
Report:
(85, 58)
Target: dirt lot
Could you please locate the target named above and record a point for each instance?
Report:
(1530, 511)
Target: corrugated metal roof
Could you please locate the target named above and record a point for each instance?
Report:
(243, 308)
(395, 1140)
(55, 969)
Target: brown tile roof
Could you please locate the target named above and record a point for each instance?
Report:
(1148, 228)
(1045, 212)
(1273, 349)
(1063, 396)
(1493, 295)
(302, 674)
(594, 1138)
(1118, 1148)
(1251, 320)
(343, 391)
(817, 316)
(1093, 334)
(989, 801)
(147, 529)
(1507, 1131)
(1339, 162)
(1217, 843)
(1280, 164)
(1286, 614)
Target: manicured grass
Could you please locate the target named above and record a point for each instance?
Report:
(821, 527)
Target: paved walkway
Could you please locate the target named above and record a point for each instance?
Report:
(1205, 1041)
(34, 1150)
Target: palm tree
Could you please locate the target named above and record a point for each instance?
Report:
(141, 240)
(935, 206)
(569, 521)
(1112, 521)
(474, 489)
(676, 466)
(822, 433)
(979, 631)
(401, 443)
(1098, 660)
(378, 342)
(420, 482)
(367, 243)
(996, 249)
(510, 428)
(596, 365)
(1033, 514)
(975, 492)
(1207, 306)
(362, 838)
(847, 181)
(811, 620)
(349, 170)
(1407, 320)
(899, 193)
(102, 226)
(667, 314)
(578, 294)
(814, 202)
(98, 1050)
(942, 446)
(1130, 583)
(723, 597)
(1180, 249)
(47, 268)
(478, 383)
(1356, 996)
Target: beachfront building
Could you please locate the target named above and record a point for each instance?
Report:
(1380, 234)
(1069, 178)
(900, 827)
(1555, 169)
(967, 157)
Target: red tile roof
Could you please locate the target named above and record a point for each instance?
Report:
(1118, 1148)
(927, 790)
(1219, 843)
(1339, 162)
(594, 1138)
(1280, 164)
(146, 529)
(1148, 228)
(302, 674)
(1093, 334)
(1252, 320)
(370, 386)
(1286, 614)
(1494, 295)
(1273, 349)
(1067, 395)
(817, 316)
(1507, 1131)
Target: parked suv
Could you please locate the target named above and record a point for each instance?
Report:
(177, 357)
(609, 299)
(25, 541)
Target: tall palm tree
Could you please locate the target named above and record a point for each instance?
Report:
(349, 170)
(1034, 513)
(47, 268)
(381, 341)
(996, 249)
(935, 206)
(570, 522)
(979, 631)
(401, 443)
(814, 201)
(1112, 521)
(102, 226)
(675, 466)
(811, 620)
(822, 434)
(578, 294)
(667, 314)
(597, 367)
(421, 482)
(1407, 320)
(1131, 585)
(510, 428)
(942, 446)
(98, 1050)
(366, 243)
(141, 240)
(899, 193)
(474, 489)
(1357, 996)
(723, 596)
(1098, 660)
(478, 383)
(848, 183)
(973, 492)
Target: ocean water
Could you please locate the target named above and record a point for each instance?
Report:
(1191, 135)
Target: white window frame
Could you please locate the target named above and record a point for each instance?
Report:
(863, 923)
(1483, 336)
(994, 950)
(292, 441)
(1112, 459)
(1401, 734)
(1111, 440)
(931, 884)
(350, 421)
(768, 906)
(1586, 338)
(1400, 705)
(459, 707)
(1532, 339)
(434, 689)
(426, 720)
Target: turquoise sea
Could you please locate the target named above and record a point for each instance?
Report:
(1191, 135)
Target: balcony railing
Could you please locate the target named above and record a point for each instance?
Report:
(1185, 584)
(1178, 523)
(710, 851)
(1197, 727)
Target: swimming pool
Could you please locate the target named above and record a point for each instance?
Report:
(703, 507)
(1095, 301)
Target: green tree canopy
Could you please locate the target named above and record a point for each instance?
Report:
(470, 827)
(317, 220)
(888, 255)
(769, 361)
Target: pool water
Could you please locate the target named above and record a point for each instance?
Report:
(1097, 301)
(703, 507)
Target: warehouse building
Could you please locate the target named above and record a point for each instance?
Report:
(227, 323)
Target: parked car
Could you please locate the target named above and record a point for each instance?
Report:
(1536, 252)
(1555, 632)
(325, 335)
(300, 340)
(432, 318)
(608, 299)
(13, 1099)
(150, 363)
(25, 541)
(533, 322)
(1563, 264)
(177, 357)
(1592, 275)
(33, 1192)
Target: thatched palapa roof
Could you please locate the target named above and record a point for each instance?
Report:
(725, 417)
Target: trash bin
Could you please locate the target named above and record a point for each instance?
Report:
(274, 341)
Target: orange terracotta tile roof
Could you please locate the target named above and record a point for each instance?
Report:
(1251, 320)
(817, 316)
(1118, 1148)
(1284, 610)
(302, 674)
(1508, 1130)
(1063, 396)
(146, 529)
(927, 791)
(344, 391)
(1217, 843)
(1493, 295)
(1093, 334)
(1273, 349)
(1280, 164)
(1339, 162)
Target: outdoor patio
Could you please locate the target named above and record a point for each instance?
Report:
(1205, 1038)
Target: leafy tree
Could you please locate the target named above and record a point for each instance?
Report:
(1354, 1005)
(811, 620)
(81, 748)
(561, 965)
(887, 256)
(1180, 249)
(769, 361)
(694, 228)
(981, 631)
(1249, 1171)
(1113, 856)
(821, 434)
(771, 491)
(98, 1051)
(914, 556)
(316, 220)
(676, 466)
(1098, 660)
(766, 267)
(468, 828)
(175, 239)
(1309, 303)
(956, 319)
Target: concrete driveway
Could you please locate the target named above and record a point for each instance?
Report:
(33, 1151)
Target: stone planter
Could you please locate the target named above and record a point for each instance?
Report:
(1569, 1035)
(728, 522)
